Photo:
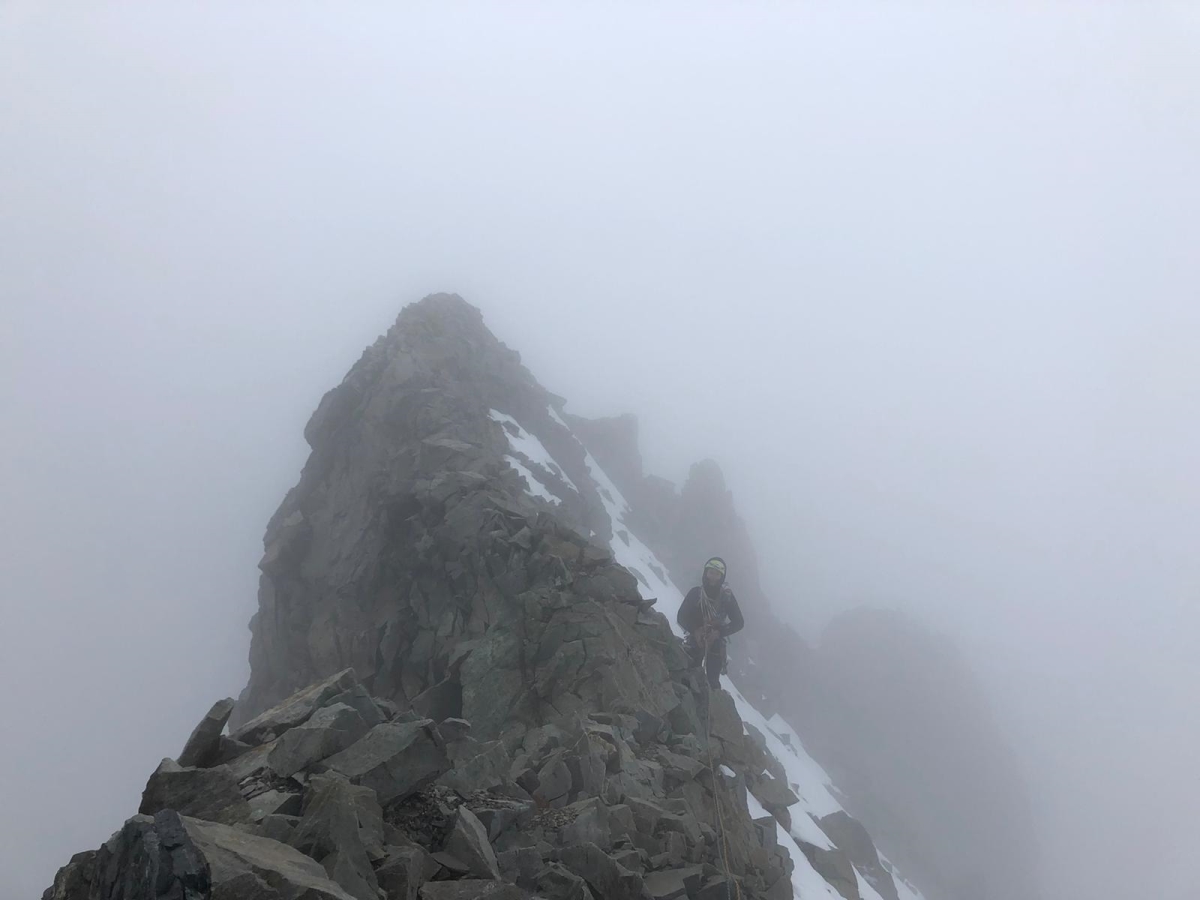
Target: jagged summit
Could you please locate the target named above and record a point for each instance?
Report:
(465, 680)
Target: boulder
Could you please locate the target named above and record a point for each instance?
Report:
(278, 827)
(327, 731)
(330, 833)
(774, 795)
(553, 781)
(606, 877)
(203, 746)
(210, 794)
(589, 825)
(404, 871)
(238, 861)
(725, 725)
(394, 759)
(453, 729)
(620, 820)
(252, 764)
(274, 802)
(646, 814)
(588, 765)
(852, 839)
(486, 769)
(684, 718)
(767, 831)
(650, 728)
(499, 816)
(669, 884)
(556, 882)
(674, 848)
(295, 710)
(363, 703)
(174, 856)
(678, 766)
(719, 887)
(631, 858)
(520, 865)
(835, 867)
(684, 823)
(468, 842)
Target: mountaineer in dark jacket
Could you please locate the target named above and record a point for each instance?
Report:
(709, 614)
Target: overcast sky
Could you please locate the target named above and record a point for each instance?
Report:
(923, 278)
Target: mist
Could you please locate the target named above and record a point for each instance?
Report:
(922, 280)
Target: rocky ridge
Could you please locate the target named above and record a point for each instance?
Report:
(464, 684)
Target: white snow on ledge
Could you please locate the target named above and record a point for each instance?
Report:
(535, 451)
(534, 486)
(806, 881)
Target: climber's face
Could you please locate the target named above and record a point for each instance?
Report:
(712, 578)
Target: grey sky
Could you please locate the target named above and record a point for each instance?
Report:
(923, 280)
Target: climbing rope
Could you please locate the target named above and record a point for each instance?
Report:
(712, 771)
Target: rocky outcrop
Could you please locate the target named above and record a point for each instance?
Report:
(204, 744)
(461, 685)
(413, 550)
(852, 839)
(585, 809)
(172, 856)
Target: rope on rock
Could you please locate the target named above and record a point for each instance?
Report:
(713, 774)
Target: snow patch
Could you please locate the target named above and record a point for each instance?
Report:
(814, 783)
(806, 881)
(905, 890)
(534, 486)
(799, 771)
(865, 889)
(629, 551)
(532, 449)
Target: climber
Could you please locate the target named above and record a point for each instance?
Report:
(710, 614)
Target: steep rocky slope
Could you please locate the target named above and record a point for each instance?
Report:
(465, 680)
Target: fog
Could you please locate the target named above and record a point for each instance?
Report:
(923, 280)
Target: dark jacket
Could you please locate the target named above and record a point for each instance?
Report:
(727, 613)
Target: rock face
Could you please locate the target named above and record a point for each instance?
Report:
(204, 744)
(456, 690)
(371, 817)
(412, 550)
(460, 685)
(173, 856)
(203, 793)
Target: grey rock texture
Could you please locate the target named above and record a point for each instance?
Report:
(456, 691)
(203, 746)
(203, 793)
